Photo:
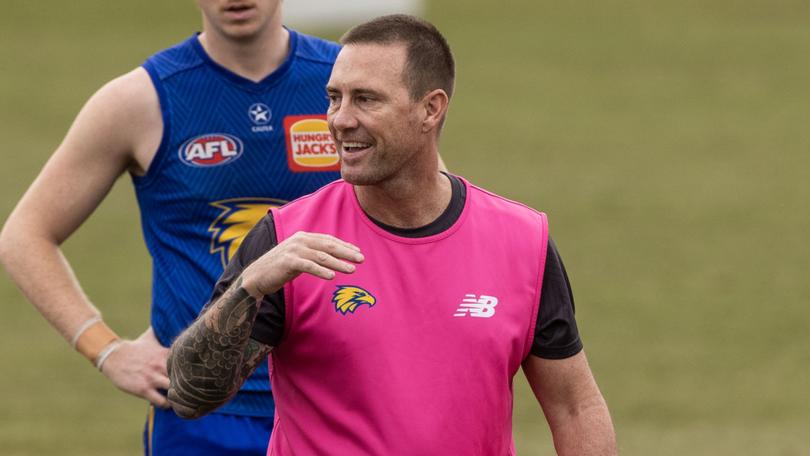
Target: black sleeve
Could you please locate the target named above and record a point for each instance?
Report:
(556, 335)
(269, 325)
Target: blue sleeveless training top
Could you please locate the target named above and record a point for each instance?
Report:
(231, 147)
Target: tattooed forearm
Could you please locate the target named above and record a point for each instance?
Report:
(211, 359)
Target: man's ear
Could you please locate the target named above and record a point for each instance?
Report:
(435, 105)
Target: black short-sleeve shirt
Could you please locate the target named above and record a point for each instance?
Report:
(555, 336)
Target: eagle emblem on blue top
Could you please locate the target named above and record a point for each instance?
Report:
(237, 217)
(347, 297)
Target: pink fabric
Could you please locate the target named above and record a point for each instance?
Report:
(419, 372)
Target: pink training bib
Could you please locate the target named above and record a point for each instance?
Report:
(414, 353)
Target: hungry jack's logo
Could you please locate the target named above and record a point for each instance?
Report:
(309, 144)
(348, 297)
(238, 216)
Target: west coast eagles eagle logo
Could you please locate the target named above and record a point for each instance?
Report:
(238, 216)
(348, 297)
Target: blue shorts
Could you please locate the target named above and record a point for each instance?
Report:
(215, 434)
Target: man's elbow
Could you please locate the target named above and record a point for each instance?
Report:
(18, 242)
(190, 405)
(8, 243)
(191, 408)
(184, 408)
(191, 395)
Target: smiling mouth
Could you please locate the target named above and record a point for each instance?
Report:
(352, 147)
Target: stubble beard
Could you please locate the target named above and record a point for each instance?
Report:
(362, 178)
(377, 170)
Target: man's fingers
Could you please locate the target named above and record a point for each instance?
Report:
(162, 382)
(326, 271)
(160, 361)
(157, 399)
(346, 253)
(338, 249)
(331, 262)
(329, 237)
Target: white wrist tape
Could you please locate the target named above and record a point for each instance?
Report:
(92, 338)
(84, 327)
(106, 352)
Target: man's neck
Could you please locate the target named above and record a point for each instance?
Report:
(253, 59)
(406, 202)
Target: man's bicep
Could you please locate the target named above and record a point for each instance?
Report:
(97, 149)
(560, 385)
(556, 335)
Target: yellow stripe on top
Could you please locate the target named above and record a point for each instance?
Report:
(150, 428)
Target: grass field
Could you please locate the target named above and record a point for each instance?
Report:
(667, 140)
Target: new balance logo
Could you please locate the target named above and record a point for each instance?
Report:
(483, 307)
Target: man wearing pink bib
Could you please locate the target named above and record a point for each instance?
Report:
(398, 302)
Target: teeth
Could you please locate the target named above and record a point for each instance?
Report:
(355, 145)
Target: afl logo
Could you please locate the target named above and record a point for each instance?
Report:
(212, 149)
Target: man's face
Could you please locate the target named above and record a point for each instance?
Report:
(239, 19)
(372, 119)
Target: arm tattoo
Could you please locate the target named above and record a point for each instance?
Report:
(213, 357)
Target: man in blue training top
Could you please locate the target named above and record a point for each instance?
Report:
(216, 129)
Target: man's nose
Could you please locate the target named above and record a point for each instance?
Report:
(342, 118)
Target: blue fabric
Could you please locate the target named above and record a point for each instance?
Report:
(225, 156)
(216, 434)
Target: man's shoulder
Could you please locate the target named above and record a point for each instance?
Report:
(501, 206)
(135, 81)
(129, 100)
(174, 59)
(335, 189)
(315, 49)
(131, 93)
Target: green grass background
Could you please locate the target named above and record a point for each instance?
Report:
(667, 140)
